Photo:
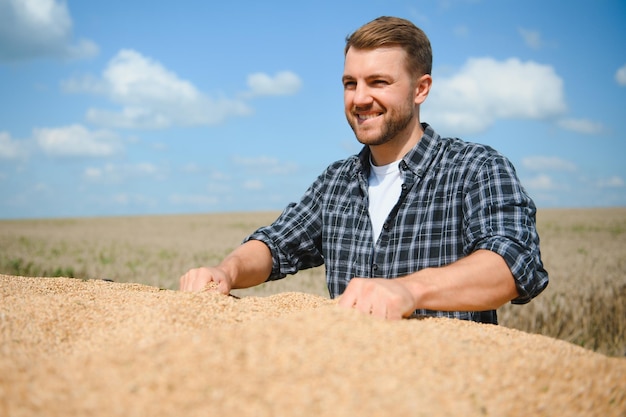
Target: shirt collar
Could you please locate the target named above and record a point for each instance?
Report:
(417, 160)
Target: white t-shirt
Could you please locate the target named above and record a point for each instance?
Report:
(385, 187)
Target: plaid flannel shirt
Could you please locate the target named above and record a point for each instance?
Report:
(457, 197)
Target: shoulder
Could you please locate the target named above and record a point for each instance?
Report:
(348, 167)
(471, 155)
(454, 150)
(334, 179)
(459, 148)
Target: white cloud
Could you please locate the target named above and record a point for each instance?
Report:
(116, 173)
(532, 38)
(67, 141)
(253, 185)
(544, 163)
(257, 161)
(611, 182)
(283, 83)
(201, 200)
(85, 48)
(130, 118)
(418, 17)
(11, 148)
(541, 182)
(192, 168)
(39, 28)
(132, 78)
(584, 126)
(77, 141)
(485, 90)
(93, 173)
(462, 31)
(448, 4)
(265, 165)
(151, 96)
(127, 199)
(620, 75)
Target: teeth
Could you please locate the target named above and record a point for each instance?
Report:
(367, 116)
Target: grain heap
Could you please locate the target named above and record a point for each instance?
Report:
(71, 347)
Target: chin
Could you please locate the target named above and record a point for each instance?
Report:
(372, 140)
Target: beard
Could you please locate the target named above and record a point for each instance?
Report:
(395, 121)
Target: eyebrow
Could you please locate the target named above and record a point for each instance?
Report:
(349, 77)
(378, 75)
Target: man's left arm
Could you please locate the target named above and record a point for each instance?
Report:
(503, 262)
(480, 281)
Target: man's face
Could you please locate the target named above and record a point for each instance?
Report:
(378, 94)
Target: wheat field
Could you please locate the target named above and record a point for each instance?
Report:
(584, 251)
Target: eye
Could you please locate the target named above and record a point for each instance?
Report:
(349, 85)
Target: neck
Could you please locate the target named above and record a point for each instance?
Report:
(396, 148)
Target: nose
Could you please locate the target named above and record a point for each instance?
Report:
(362, 96)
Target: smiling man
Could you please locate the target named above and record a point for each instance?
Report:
(415, 224)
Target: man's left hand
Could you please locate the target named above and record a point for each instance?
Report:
(379, 297)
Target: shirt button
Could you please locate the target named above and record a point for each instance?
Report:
(375, 267)
(386, 226)
(404, 186)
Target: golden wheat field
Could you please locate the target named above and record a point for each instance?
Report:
(136, 347)
(584, 251)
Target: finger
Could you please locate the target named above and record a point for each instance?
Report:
(190, 284)
(184, 282)
(223, 287)
(346, 300)
(364, 306)
(350, 295)
(202, 282)
(380, 310)
(194, 280)
(211, 286)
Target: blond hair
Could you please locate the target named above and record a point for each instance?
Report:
(394, 31)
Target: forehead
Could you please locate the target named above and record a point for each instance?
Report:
(389, 60)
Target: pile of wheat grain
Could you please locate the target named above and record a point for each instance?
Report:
(74, 347)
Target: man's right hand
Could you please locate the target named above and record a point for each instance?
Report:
(198, 278)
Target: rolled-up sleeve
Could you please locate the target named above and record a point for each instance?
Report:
(294, 239)
(500, 217)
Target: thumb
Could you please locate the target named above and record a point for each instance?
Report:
(223, 286)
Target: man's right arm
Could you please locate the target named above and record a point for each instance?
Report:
(248, 265)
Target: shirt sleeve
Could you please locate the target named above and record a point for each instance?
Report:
(294, 238)
(500, 217)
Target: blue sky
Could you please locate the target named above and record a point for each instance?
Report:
(145, 107)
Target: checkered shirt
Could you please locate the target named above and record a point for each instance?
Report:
(457, 197)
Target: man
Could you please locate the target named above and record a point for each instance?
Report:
(415, 224)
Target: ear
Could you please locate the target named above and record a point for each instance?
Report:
(422, 88)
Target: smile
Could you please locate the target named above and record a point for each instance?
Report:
(369, 116)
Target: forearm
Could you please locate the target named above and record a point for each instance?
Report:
(481, 281)
(248, 265)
